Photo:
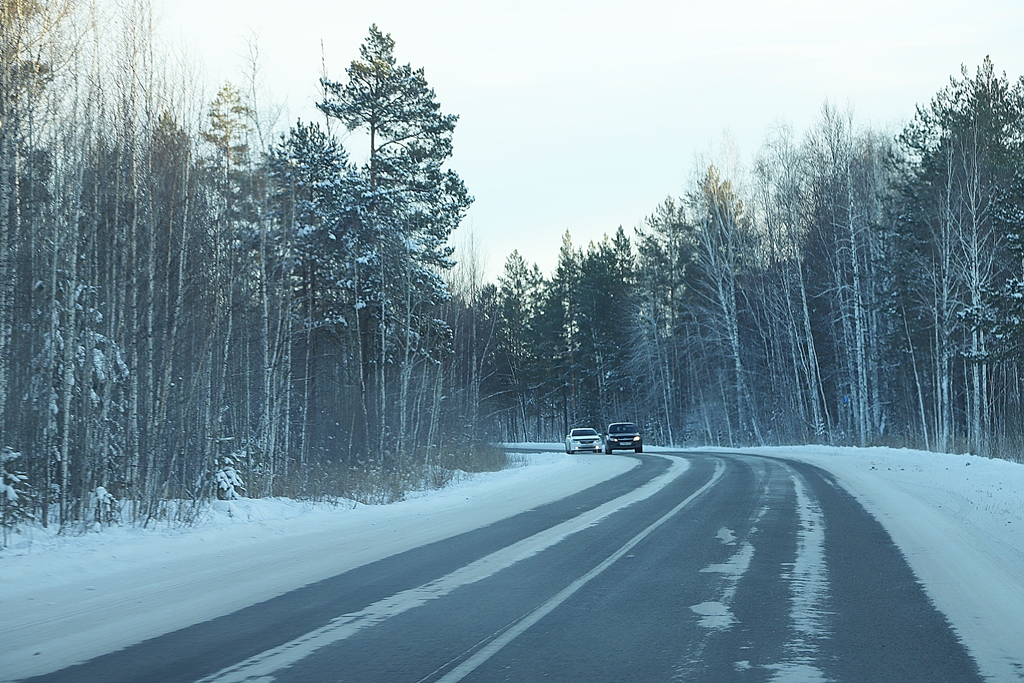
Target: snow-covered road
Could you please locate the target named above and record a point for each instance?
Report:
(959, 521)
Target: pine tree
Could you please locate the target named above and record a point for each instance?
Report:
(313, 205)
(404, 218)
(516, 363)
(957, 159)
(1007, 298)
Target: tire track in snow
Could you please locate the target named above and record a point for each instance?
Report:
(716, 616)
(808, 580)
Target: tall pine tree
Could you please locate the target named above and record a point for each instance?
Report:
(411, 205)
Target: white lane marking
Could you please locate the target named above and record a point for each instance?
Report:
(266, 663)
(808, 582)
(529, 620)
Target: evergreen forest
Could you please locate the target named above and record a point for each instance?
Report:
(196, 304)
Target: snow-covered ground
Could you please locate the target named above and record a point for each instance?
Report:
(65, 599)
(959, 521)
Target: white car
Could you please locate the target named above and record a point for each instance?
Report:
(583, 439)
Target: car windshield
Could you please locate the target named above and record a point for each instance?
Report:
(624, 428)
(584, 432)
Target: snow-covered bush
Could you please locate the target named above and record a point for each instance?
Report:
(14, 493)
(226, 480)
(104, 506)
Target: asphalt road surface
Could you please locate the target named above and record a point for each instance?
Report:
(733, 568)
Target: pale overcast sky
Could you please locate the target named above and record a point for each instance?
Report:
(583, 116)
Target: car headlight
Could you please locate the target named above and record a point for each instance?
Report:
(636, 438)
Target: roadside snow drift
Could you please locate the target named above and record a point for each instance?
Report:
(68, 599)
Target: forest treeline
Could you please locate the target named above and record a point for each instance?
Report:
(851, 287)
(194, 305)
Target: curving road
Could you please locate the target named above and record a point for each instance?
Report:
(696, 567)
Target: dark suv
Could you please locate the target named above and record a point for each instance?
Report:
(623, 436)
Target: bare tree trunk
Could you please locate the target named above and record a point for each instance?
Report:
(174, 312)
(70, 336)
(917, 382)
(943, 314)
(864, 428)
(267, 419)
(405, 371)
(8, 199)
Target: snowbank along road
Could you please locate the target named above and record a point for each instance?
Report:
(697, 566)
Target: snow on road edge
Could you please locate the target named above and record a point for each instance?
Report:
(959, 521)
(67, 600)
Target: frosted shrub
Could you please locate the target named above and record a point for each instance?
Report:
(226, 479)
(14, 493)
(104, 506)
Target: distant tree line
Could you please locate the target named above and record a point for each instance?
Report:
(851, 287)
(193, 307)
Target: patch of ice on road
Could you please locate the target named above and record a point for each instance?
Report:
(735, 567)
(808, 582)
(714, 615)
(796, 672)
(726, 536)
(717, 615)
